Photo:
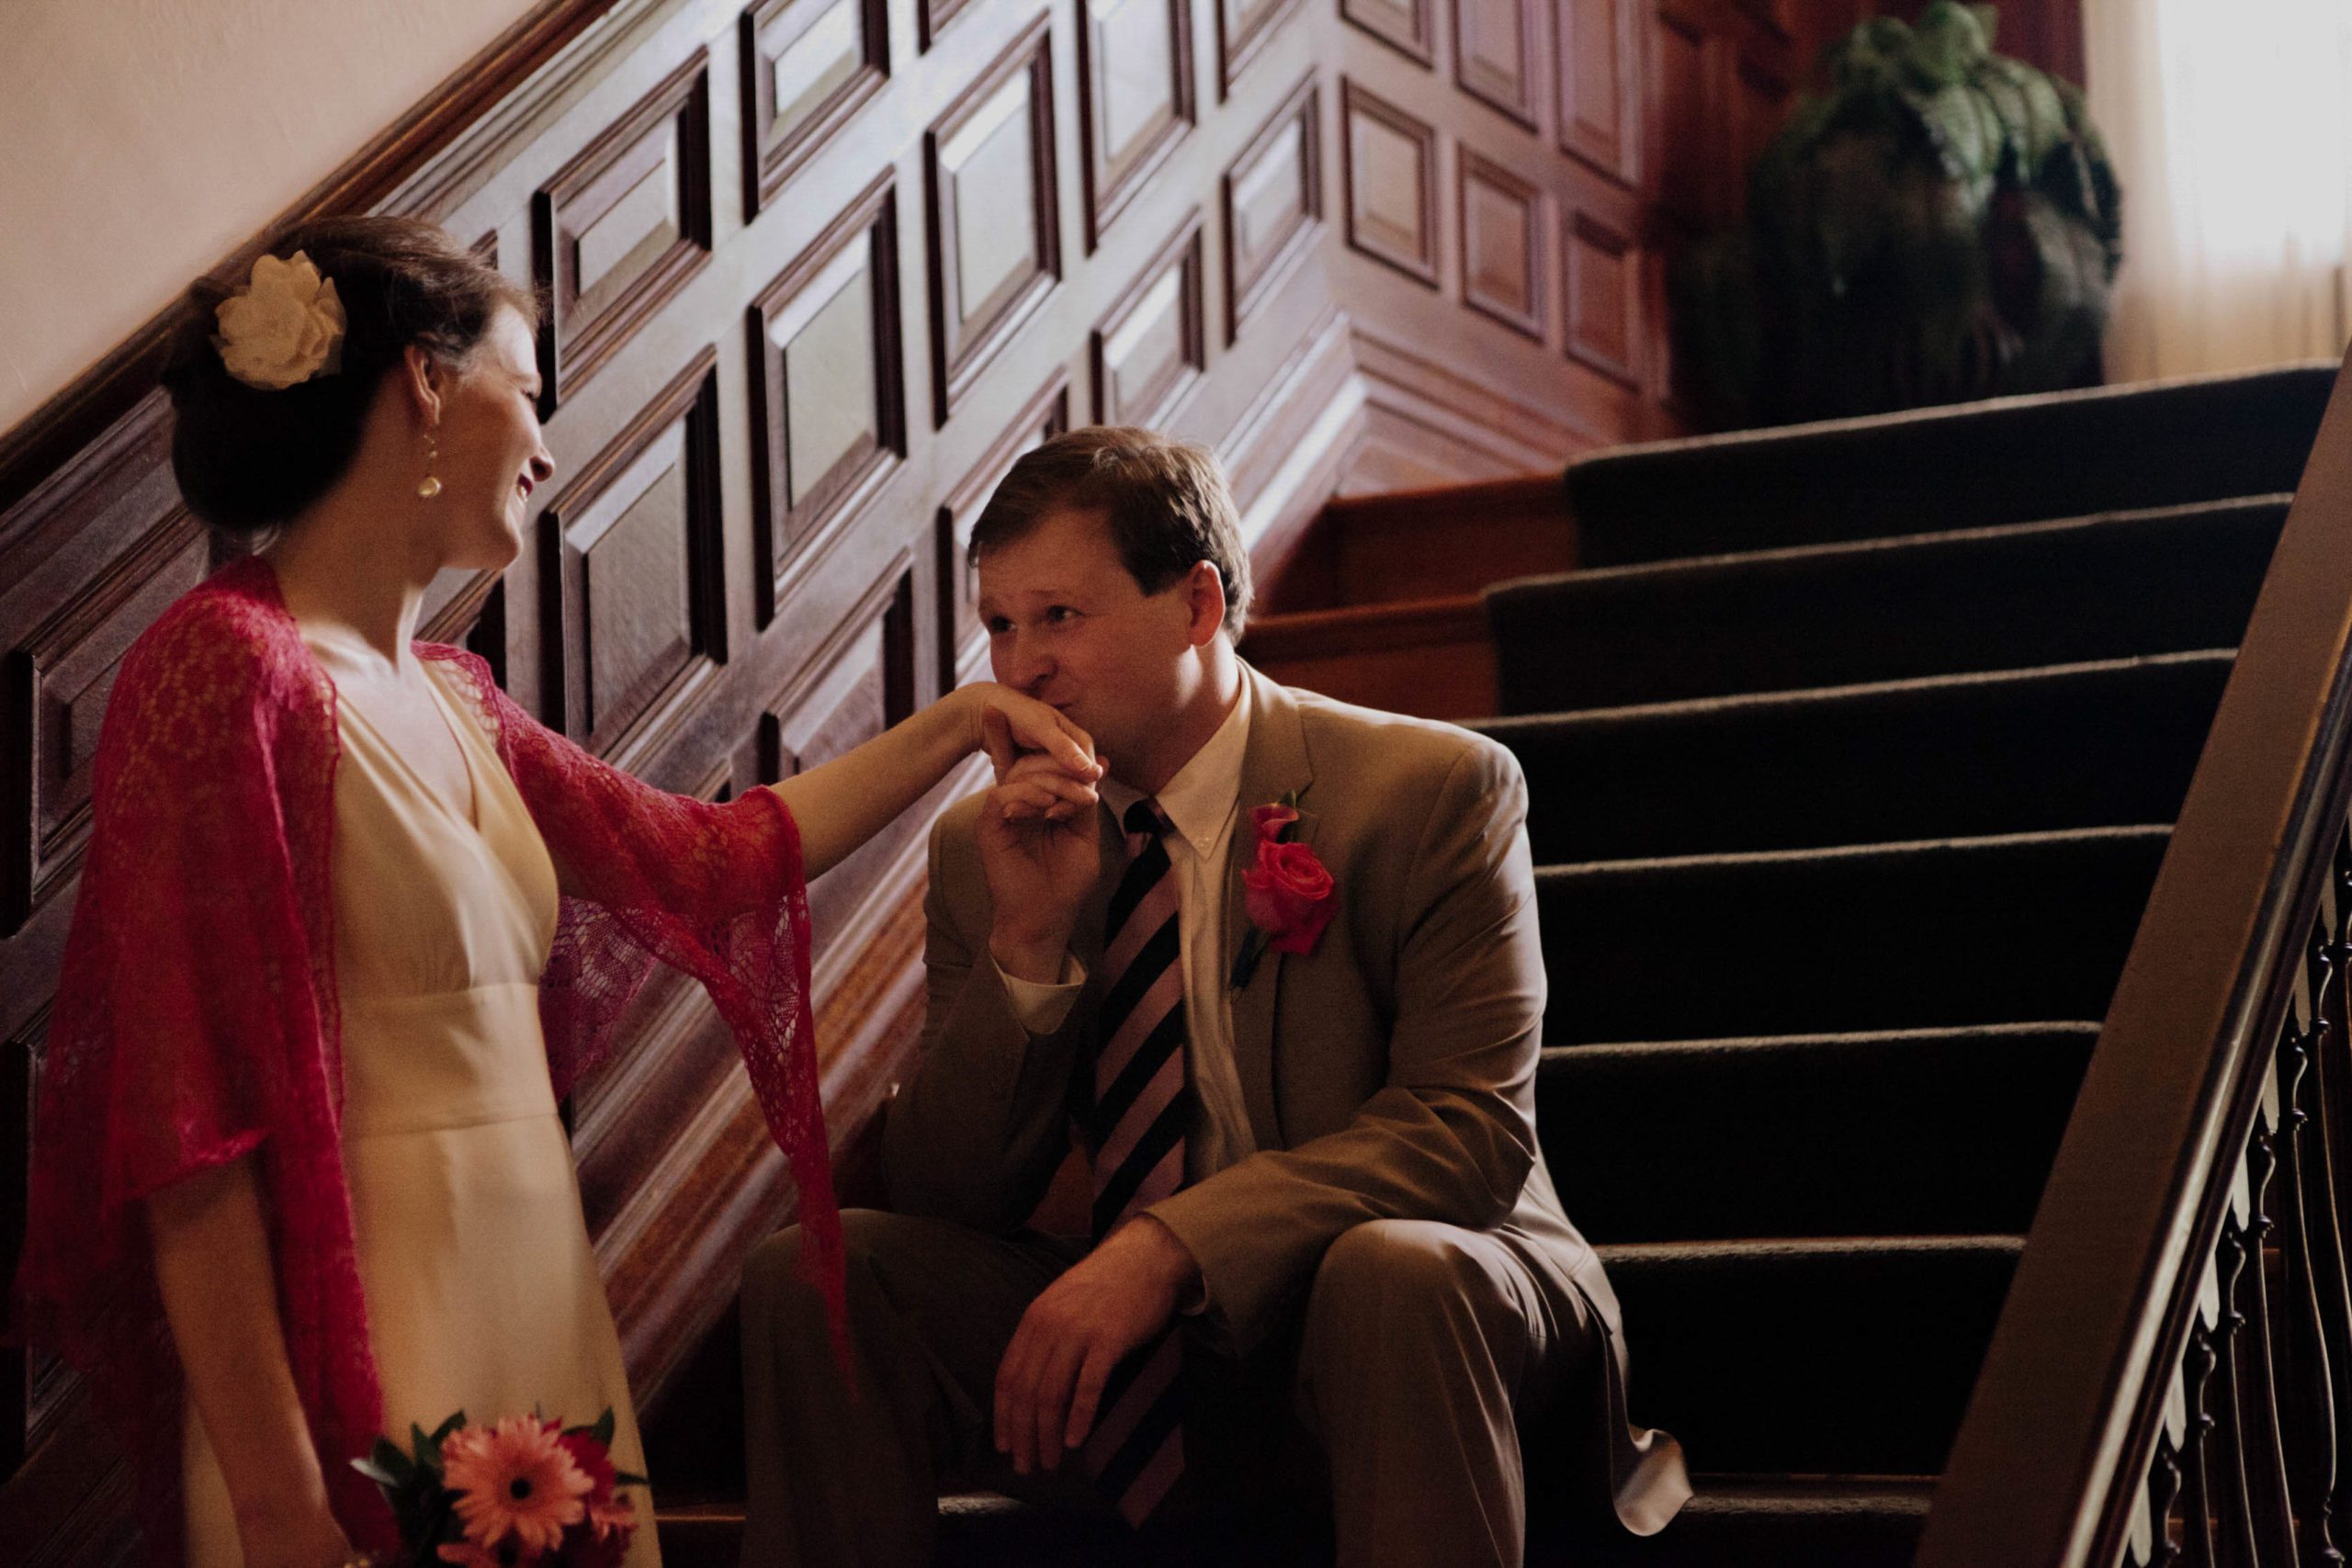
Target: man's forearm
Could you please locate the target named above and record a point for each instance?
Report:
(973, 1134)
(1259, 1229)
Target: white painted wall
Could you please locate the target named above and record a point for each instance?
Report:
(140, 140)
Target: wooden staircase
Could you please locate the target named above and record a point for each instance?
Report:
(1852, 753)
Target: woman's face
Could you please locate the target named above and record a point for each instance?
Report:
(492, 458)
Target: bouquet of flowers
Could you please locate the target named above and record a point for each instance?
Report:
(519, 1492)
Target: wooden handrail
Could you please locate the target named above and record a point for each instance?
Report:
(2051, 1461)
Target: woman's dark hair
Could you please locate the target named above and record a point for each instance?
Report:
(248, 458)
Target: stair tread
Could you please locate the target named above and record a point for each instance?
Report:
(1948, 1132)
(2105, 743)
(1666, 1048)
(1857, 692)
(1780, 1248)
(1827, 854)
(1844, 552)
(2002, 461)
(1900, 934)
(2109, 586)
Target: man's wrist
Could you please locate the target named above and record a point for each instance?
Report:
(1035, 957)
(1182, 1270)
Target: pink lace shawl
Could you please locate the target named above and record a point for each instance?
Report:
(195, 1018)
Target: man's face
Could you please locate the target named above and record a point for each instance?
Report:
(1068, 626)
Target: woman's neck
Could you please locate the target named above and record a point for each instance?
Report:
(340, 569)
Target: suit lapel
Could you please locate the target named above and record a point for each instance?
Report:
(1274, 763)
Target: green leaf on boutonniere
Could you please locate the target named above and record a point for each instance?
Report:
(1245, 962)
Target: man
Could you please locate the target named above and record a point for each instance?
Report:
(1283, 990)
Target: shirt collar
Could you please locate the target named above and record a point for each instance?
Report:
(1200, 799)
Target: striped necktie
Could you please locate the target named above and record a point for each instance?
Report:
(1142, 1101)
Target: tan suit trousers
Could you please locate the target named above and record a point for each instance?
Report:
(1421, 1349)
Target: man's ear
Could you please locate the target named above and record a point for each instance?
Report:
(423, 381)
(1205, 589)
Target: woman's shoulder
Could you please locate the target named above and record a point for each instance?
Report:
(226, 643)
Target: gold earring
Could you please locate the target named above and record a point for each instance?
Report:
(430, 486)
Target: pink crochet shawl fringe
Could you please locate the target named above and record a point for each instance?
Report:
(196, 1020)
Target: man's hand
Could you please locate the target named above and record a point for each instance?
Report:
(1041, 851)
(1107, 1306)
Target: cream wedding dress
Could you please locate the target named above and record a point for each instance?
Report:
(481, 1289)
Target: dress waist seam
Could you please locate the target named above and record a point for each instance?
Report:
(362, 1134)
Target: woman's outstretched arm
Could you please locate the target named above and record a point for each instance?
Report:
(840, 804)
(212, 1267)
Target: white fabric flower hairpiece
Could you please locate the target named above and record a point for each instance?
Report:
(283, 327)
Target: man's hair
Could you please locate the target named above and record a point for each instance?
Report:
(1165, 502)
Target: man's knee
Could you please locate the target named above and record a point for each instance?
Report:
(1422, 1269)
(777, 1288)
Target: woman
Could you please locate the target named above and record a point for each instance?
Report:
(351, 922)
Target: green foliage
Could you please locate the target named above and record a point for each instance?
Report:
(423, 1508)
(1937, 223)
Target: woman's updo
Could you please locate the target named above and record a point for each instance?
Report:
(249, 459)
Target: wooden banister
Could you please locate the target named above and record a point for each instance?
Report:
(2137, 1253)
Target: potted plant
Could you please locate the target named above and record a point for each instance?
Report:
(1937, 223)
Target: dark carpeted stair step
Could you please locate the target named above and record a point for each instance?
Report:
(1877, 936)
(2105, 587)
(2077, 746)
(2013, 460)
(1823, 1357)
(1941, 1132)
(1732, 1522)
(1759, 1522)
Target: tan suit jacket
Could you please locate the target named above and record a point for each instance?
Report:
(1388, 1075)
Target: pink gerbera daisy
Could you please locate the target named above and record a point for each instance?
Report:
(515, 1478)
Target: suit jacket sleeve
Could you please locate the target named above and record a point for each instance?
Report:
(1451, 1135)
(974, 1133)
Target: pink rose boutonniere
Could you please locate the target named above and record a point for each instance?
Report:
(1288, 893)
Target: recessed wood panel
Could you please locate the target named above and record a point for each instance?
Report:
(860, 683)
(963, 649)
(932, 15)
(995, 229)
(1392, 183)
(637, 611)
(808, 65)
(1274, 197)
(58, 681)
(621, 227)
(828, 395)
(1598, 77)
(1243, 28)
(1604, 297)
(1135, 89)
(1408, 26)
(1152, 346)
(1502, 245)
(1494, 54)
(1681, 128)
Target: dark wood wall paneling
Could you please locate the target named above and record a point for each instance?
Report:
(752, 555)
(762, 235)
(1518, 173)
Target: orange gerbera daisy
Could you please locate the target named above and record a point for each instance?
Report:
(515, 1478)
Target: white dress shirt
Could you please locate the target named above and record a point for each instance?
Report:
(1202, 802)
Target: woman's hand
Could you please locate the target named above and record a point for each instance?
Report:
(1007, 725)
